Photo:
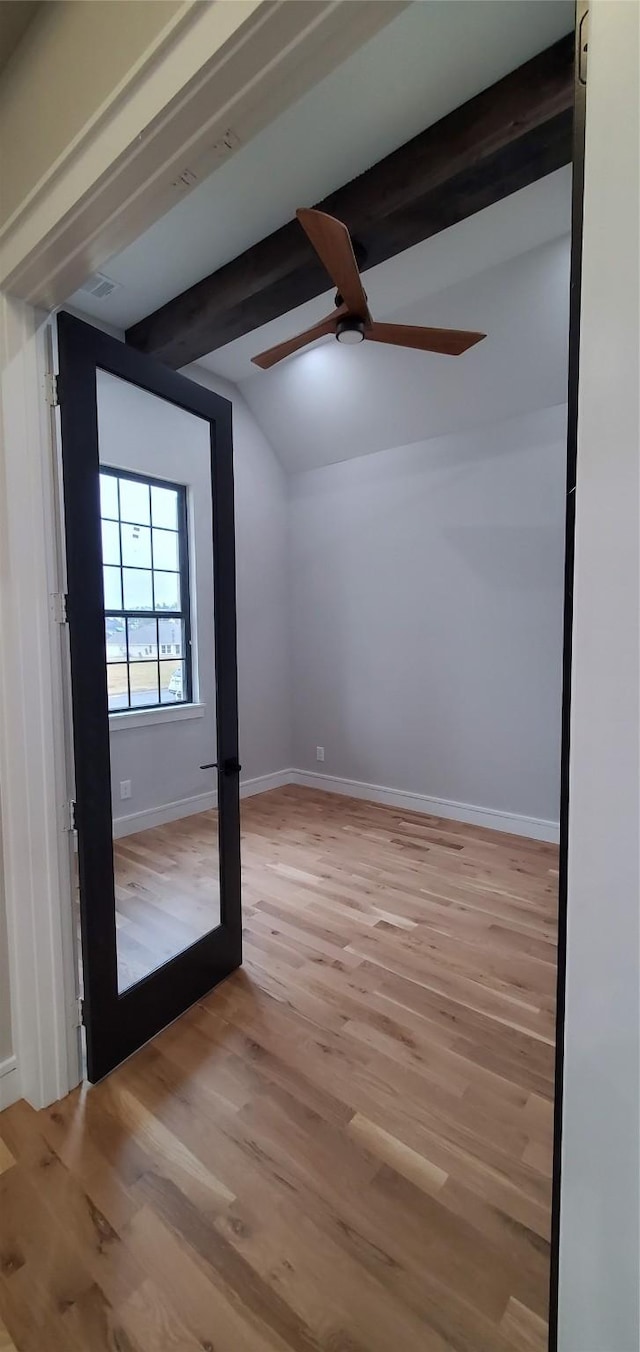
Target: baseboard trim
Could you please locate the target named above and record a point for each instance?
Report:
(186, 807)
(9, 1082)
(535, 828)
(159, 816)
(262, 783)
(514, 823)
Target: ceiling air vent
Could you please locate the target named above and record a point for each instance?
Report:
(99, 286)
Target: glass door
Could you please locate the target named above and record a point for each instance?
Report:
(147, 463)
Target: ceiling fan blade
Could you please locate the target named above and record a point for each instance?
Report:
(451, 342)
(332, 243)
(282, 350)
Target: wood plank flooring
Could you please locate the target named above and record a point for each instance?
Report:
(167, 893)
(346, 1146)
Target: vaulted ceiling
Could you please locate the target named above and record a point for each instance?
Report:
(503, 270)
(333, 402)
(432, 58)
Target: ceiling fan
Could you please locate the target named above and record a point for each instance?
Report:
(351, 321)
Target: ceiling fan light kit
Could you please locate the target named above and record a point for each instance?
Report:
(351, 321)
(350, 329)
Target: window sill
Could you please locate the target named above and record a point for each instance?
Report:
(139, 718)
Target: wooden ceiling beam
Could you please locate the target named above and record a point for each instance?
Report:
(505, 138)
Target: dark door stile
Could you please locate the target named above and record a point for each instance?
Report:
(572, 485)
(117, 1024)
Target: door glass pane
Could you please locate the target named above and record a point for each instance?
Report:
(158, 577)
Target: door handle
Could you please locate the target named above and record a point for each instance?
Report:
(229, 767)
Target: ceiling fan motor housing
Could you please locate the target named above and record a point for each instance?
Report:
(351, 321)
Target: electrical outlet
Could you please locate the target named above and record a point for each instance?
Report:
(125, 788)
(320, 753)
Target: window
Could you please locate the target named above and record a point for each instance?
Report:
(146, 591)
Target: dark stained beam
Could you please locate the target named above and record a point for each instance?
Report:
(510, 135)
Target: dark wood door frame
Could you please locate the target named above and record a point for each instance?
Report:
(115, 1024)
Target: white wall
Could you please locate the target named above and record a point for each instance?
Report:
(427, 616)
(599, 1258)
(262, 579)
(6, 1044)
(414, 630)
(144, 434)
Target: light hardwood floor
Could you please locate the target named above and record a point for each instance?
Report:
(346, 1146)
(167, 893)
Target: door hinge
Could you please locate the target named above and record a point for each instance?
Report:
(69, 816)
(59, 607)
(52, 390)
(77, 1013)
(583, 47)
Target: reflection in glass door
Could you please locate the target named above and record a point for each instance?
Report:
(158, 585)
(146, 591)
(150, 552)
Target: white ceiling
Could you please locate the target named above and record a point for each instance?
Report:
(432, 57)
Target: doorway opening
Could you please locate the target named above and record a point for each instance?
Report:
(384, 1061)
